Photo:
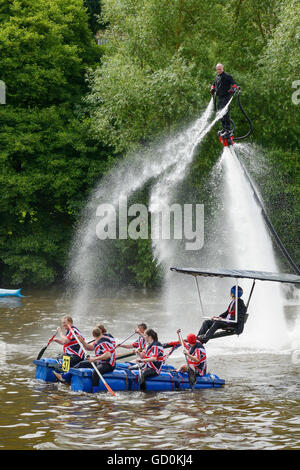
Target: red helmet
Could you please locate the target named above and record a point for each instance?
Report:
(191, 338)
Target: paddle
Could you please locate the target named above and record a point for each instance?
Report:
(172, 344)
(44, 349)
(125, 340)
(191, 372)
(92, 340)
(96, 370)
(123, 356)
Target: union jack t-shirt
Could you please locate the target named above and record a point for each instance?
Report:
(199, 362)
(140, 343)
(106, 344)
(157, 351)
(72, 347)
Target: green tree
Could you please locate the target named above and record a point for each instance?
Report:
(94, 11)
(160, 61)
(135, 105)
(156, 69)
(48, 159)
(151, 76)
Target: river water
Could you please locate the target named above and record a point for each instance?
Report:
(257, 409)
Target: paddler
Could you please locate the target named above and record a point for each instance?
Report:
(104, 349)
(151, 359)
(196, 355)
(227, 320)
(70, 346)
(140, 344)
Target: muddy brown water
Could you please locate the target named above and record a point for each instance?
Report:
(257, 409)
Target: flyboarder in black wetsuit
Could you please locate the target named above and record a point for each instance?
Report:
(224, 86)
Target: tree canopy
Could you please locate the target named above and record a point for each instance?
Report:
(74, 108)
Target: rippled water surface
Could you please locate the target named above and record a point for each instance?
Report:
(257, 409)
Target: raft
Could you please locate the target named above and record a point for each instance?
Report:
(123, 379)
(10, 292)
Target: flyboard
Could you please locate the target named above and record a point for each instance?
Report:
(230, 139)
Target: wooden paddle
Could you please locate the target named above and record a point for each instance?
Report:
(44, 349)
(123, 356)
(191, 372)
(108, 388)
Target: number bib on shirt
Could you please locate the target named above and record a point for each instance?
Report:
(66, 363)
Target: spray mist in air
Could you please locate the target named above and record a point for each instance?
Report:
(165, 161)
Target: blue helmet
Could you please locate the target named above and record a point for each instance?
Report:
(233, 291)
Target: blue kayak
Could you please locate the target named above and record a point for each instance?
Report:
(10, 293)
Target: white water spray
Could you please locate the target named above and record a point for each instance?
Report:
(241, 240)
(247, 239)
(251, 248)
(162, 194)
(166, 161)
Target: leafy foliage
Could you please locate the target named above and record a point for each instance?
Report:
(48, 160)
(73, 108)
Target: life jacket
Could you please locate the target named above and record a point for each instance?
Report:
(187, 346)
(110, 338)
(105, 344)
(72, 347)
(199, 353)
(155, 350)
(140, 343)
(231, 311)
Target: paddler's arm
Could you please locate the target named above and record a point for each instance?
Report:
(63, 339)
(87, 346)
(103, 357)
(126, 346)
(147, 359)
(192, 358)
(140, 353)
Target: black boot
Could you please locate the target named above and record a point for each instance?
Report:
(202, 339)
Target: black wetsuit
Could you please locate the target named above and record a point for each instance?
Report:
(223, 83)
(209, 327)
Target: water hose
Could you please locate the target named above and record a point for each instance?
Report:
(246, 116)
(244, 113)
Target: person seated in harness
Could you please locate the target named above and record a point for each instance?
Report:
(224, 87)
(224, 321)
